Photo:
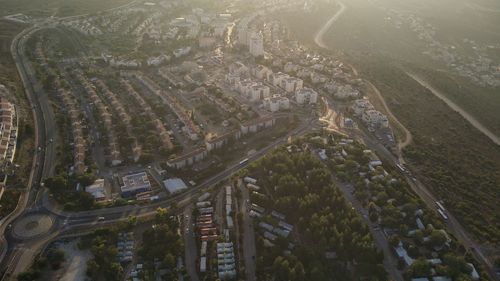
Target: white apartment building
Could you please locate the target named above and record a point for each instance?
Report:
(258, 91)
(361, 106)
(292, 84)
(306, 95)
(375, 118)
(276, 103)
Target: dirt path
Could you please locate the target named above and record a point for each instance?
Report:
(408, 136)
(471, 119)
(318, 39)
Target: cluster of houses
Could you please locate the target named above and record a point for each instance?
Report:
(70, 105)
(374, 173)
(206, 227)
(270, 232)
(226, 262)
(477, 64)
(190, 128)
(122, 114)
(8, 128)
(161, 130)
(106, 117)
(125, 247)
(8, 135)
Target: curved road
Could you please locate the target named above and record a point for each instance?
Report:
(318, 39)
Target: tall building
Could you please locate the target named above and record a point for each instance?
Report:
(256, 45)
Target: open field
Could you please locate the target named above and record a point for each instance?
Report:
(56, 7)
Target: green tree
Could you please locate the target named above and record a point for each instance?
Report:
(420, 268)
(437, 238)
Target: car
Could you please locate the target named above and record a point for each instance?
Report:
(100, 218)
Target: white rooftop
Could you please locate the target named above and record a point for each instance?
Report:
(135, 181)
(174, 185)
(97, 189)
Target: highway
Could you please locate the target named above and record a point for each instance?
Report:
(37, 171)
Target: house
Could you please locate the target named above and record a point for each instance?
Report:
(403, 254)
(134, 184)
(97, 190)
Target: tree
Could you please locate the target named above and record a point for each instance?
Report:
(86, 200)
(55, 257)
(161, 215)
(437, 238)
(420, 268)
(169, 261)
(131, 221)
(394, 240)
(28, 275)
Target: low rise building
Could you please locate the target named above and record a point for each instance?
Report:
(97, 190)
(134, 184)
(174, 185)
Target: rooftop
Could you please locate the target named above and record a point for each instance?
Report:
(135, 181)
(174, 185)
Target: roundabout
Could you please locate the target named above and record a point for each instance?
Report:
(32, 226)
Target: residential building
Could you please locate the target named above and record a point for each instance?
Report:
(361, 106)
(375, 118)
(261, 72)
(188, 159)
(254, 126)
(256, 45)
(306, 95)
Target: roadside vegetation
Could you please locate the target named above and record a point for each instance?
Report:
(454, 159)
